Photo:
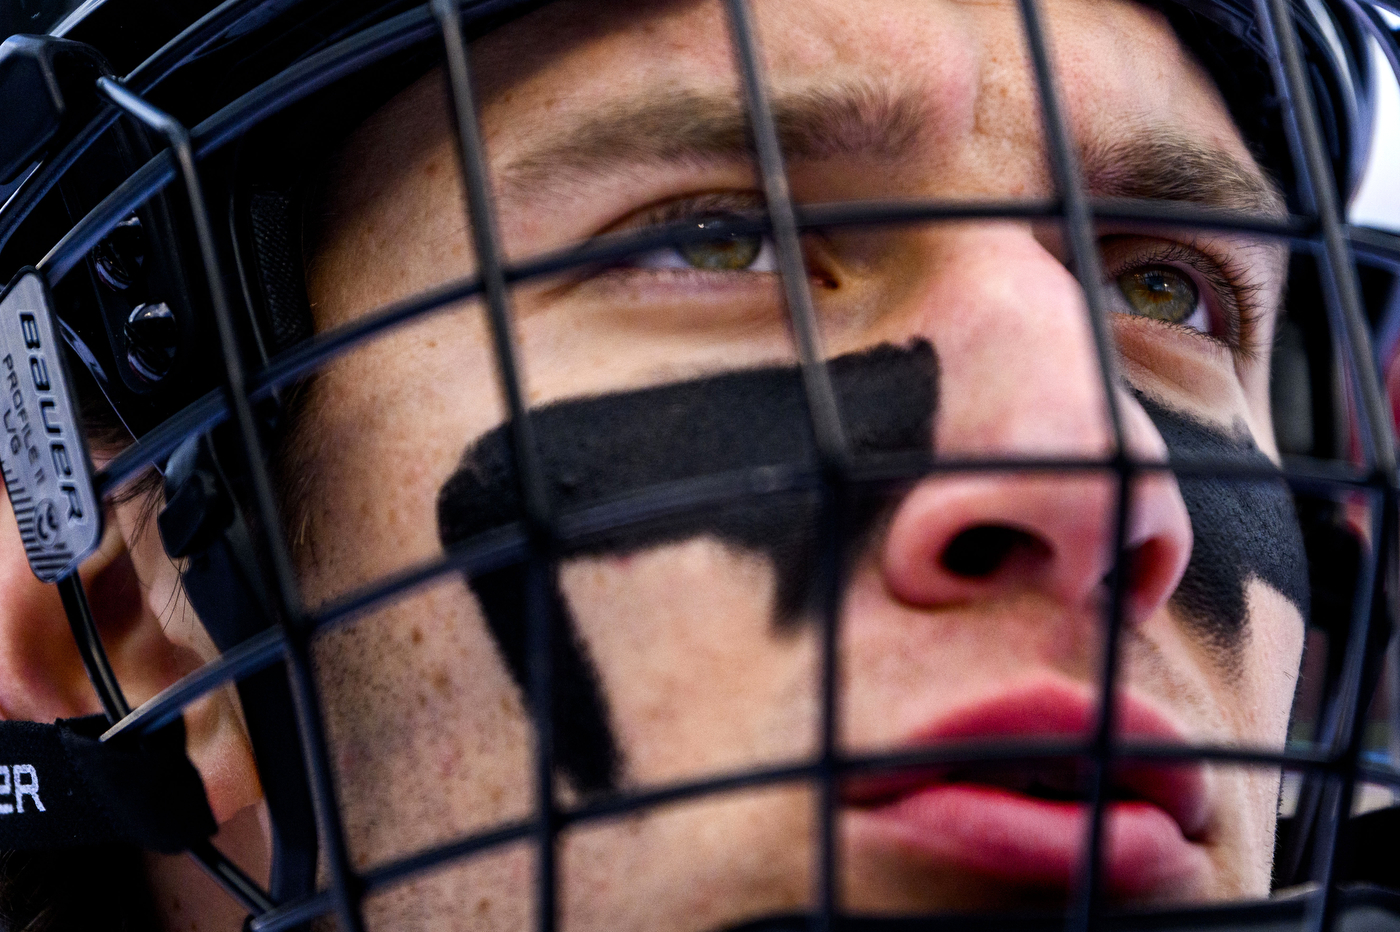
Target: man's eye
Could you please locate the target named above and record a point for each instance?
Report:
(729, 255)
(753, 253)
(1163, 293)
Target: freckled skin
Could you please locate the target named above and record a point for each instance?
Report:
(427, 726)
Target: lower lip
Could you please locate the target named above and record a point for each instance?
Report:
(1032, 843)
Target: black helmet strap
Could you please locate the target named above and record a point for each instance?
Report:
(62, 785)
(202, 523)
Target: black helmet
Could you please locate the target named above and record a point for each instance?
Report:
(158, 171)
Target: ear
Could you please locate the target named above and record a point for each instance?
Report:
(151, 637)
(41, 675)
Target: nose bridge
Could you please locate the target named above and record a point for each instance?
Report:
(1021, 379)
(1021, 373)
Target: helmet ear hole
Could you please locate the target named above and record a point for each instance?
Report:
(274, 179)
(271, 223)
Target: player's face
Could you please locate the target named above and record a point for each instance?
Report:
(972, 603)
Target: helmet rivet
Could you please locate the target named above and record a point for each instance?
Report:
(120, 255)
(152, 336)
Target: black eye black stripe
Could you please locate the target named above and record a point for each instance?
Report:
(1243, 530)
(597, 448)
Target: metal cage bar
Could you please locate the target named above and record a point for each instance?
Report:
(500, 547)
(832, 447)
(1078, 224)
(538, 537)
(299, 361)
(116, 707)
(1341, 293)
(95, 660)
(282, 582)
(528, 467)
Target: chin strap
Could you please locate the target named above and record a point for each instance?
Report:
(61, 785)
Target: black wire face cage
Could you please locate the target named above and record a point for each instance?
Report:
(1345, 464)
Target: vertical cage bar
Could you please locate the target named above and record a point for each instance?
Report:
(232, 878)
(1336, 730)
(830, 436)
(1342, 295)
(306, 707)
(529, 470)
(114, 704)
(1346, 741)
(344, 885)
(94, 655)
(1318, 189)
(1087, 267)
(821, 397)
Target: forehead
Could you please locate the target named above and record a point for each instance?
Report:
(959, 70)
(963, 62)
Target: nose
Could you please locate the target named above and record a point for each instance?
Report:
(1021, 378)
(967, 540)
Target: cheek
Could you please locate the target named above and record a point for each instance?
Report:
(427, 732)
(381, 430)
(1269, 667)
(1269, 675)
(697, 676)
(488, 892)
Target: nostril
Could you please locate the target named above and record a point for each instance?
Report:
(981, 551)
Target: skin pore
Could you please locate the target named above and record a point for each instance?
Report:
(598, 120)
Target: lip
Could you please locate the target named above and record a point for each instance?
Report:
(1156, 821)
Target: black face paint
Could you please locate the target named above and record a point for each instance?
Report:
(1244, 529)
(598, 448)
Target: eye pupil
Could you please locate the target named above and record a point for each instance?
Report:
(1156, 282)
(1159, 292)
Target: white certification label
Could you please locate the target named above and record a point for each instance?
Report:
(46, 466)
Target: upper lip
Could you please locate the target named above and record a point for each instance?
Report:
(1049, 710)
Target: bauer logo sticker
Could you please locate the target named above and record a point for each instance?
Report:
(45, 461)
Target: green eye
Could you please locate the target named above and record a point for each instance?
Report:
(1160, 292)
(726, 253)
(723, 255)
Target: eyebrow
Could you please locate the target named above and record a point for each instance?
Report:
(693, 127)
(865, 121)
(1162, 164)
